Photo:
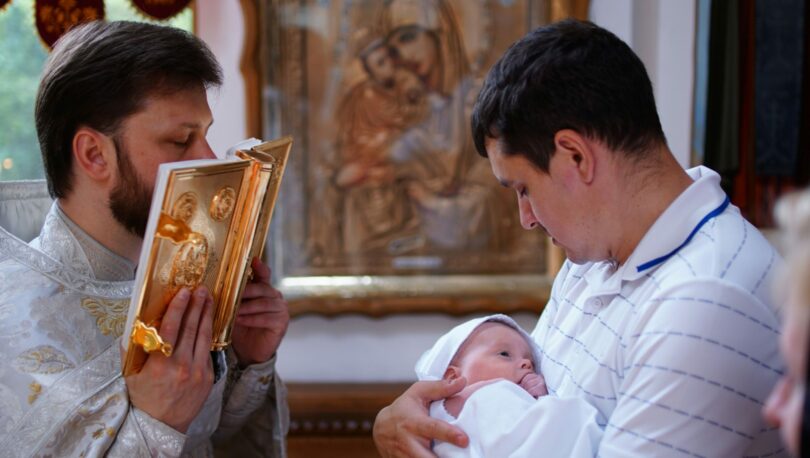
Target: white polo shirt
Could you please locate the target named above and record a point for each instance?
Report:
(676, 348)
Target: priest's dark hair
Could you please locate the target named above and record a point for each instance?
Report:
(100, 73)
(567, 75)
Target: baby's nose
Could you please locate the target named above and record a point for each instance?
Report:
(526, 364)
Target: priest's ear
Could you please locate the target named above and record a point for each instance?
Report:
(452, 373)
(94, 154)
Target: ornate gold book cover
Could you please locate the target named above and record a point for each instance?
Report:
(209, 218)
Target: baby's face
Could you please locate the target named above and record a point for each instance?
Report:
(380, 66)
(495, 350)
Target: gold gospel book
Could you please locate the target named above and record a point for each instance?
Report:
(208, 220)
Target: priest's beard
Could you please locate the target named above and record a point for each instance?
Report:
(130, 199)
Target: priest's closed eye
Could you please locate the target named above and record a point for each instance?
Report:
(182, 143)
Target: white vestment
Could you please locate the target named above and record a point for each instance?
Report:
(62, 313)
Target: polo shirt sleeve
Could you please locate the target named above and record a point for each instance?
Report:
(700, 360)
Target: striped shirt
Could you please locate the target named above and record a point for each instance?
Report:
(677, 348)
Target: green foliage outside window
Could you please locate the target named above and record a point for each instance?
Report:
(22, 55)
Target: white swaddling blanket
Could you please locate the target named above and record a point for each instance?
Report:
(502, 419)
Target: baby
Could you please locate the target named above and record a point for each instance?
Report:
(485, 351)
(499, 361)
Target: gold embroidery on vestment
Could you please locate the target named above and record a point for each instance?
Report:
(111, 315)
(43, 359)
(36, 389)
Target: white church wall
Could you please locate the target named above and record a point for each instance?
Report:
(220, 24)
(662, 33)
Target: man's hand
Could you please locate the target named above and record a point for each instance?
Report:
(173, 389)
(535, 384)
(262, 319)
(404, 429)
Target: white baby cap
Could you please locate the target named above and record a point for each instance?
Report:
(433, 363)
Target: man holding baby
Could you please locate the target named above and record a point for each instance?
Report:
(661, 319)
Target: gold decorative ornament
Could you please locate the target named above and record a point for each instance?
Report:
(149, 339)
(222, 203)
(184, 207)
(190, 263)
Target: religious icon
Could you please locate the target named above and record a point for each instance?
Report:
(222, 203)
(190, 263)
(184, 207)
(388, 181)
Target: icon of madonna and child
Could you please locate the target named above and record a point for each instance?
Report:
(404, 179)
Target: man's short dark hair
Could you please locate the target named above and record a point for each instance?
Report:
(568, 75)
(100, 73)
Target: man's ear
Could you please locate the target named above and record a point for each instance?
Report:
(576, 153)
(94, 154)
(452, 373)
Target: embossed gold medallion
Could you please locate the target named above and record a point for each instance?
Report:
(184, 207)
(222, 203)
(190, 263)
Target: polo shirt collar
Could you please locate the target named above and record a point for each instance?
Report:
(696, 206)
(702, 200)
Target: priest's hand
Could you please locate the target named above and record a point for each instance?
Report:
(173, 389)
(261, 320)
(405, 429)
